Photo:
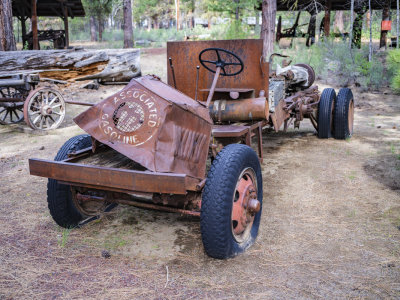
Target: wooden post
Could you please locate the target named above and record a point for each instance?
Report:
(385, 17)
(327, 19)
(35, 39)
(65, 11)
(23, 31)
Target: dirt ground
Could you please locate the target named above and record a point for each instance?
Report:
(330, 225)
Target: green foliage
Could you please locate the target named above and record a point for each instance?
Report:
(229, 6)
(333, 60)
(393, 62)
(97, 7)
(237, 30)
(64, 237)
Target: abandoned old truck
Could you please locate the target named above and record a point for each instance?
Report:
(185, 146)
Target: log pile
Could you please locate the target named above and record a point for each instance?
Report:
(108, 65)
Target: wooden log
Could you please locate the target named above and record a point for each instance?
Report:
(107, 65)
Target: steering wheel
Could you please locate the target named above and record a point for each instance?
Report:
(220, 63)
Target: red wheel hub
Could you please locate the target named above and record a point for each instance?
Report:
(245, 205)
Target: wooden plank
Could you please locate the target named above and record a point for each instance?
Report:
(126, 180)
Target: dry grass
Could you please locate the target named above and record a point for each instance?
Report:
(329, 227)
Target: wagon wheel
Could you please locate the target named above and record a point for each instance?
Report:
(44, 109)
(11, 112)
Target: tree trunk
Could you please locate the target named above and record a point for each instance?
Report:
(237, 10)
(268, 27)
(106, 65)
(339, 23)
(370, 31)
(357, 30)
(7, 39)
(101, 28)
(93, 33)
(397, 25)
(385, 17)
(128, 30)
(351, 23)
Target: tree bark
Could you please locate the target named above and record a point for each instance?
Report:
(128, 30)
(106, 65)
(370, 31)
(101, 27)
(93, 33)
(268, 27)
(385, 17)
(339, 23)
(7, 39)
(397, 25)
(351, 23)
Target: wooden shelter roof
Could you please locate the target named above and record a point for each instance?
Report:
(286, 5)
(48, 8)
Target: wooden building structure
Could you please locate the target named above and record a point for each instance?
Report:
(24, 9)
(360, 8)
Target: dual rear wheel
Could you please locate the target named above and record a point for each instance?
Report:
(336, 114)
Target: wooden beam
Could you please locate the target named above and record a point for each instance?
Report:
(34, 26)
(65, 10)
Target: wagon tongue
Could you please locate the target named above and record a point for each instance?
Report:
(154, 125)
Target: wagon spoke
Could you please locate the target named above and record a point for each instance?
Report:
(41, 123)
(47, 123)
(53, 100)
(57, 105)
(5, 116)
(36, 119)
(31, 113)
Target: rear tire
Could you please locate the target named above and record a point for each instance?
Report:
(59, 198)
(344, 115)
(325, 113)
(235, 164)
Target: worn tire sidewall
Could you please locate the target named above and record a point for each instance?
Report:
(248, 159)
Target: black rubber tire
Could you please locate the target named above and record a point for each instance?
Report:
(59, 197)
(342, 129)
(327, 102)
(217, 201)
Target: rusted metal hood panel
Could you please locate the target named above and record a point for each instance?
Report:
(154, 125)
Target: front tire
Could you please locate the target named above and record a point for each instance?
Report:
(231, 202)
(59, 197)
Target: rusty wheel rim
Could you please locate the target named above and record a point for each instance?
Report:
(88, 208)
(242, 217)
(351, 117)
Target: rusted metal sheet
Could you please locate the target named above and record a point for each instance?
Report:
(185, 58)
(112, 179)
(154, 125)
(239, 110)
